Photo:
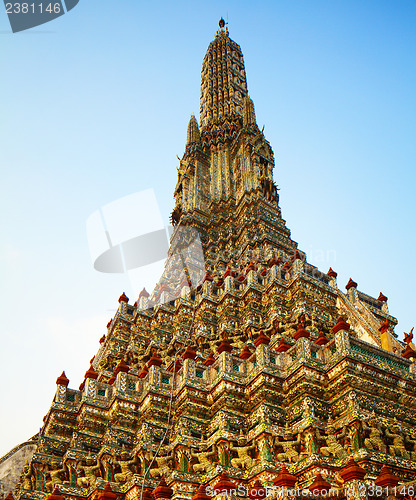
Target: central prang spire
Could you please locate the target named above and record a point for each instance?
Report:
(227, 159)
(225, 188)
(223, 79)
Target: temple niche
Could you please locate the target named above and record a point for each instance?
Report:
(259, 372)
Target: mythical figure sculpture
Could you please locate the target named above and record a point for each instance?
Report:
(130, 357)
(333, 447)
(55, 475)
(163, 468)
(412, 442)
(289, 453)
(269, 189)
(124, 463)
(27, 477)
(398, 447)
(204, 464)
(91, 472)
(176, 215)
(375, 439)
(143, 355)
(244, 460)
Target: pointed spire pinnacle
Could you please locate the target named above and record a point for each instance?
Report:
(189, 353)
(331, 273)
(144, 293)
(351, 284)
(201, 494)
(223, 80)
(107, 493)
(283, 345)
(123, 298)
(285, 478)
(249, 114)
(386, 478)
(193, 135)
(224, 485)
(322, 339)
(91, 373)
(262, 339)
(210, 359)
(319, 485)
(62, 380)
(341, 324)
(55, 495)
(162, 490)
(246, 353)
(301, 332)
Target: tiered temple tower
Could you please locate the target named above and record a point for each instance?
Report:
(265, 373)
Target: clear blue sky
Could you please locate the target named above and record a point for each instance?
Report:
(95, 106)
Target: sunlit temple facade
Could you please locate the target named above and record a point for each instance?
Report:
(263, 374)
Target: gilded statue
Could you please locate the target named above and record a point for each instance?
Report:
(289, 453)
(411, 442)
(143, 355)
(375, 439)
(125, 466)
(55, 475)
(333, 447)
(163, 468)
(167, 350)
(244, 460)
(204, 463)
(91, 472)
(130, 357)
(398, 447)
(27, 479)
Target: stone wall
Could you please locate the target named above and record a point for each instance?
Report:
(12, 463)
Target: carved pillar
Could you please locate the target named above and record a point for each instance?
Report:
(188, 369)
(342, 340)
(262, 355)
(229, 284)
(303, 347)
(61, 387)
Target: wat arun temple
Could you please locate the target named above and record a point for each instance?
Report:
(262, 376)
